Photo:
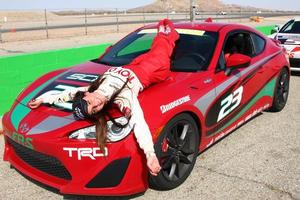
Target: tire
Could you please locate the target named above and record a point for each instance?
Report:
(281, 91)
(177, 150)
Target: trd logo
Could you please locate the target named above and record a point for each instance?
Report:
(27, 142)
(92, 153)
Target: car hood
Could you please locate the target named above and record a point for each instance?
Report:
(46, 118)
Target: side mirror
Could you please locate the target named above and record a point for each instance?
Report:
(237, 60)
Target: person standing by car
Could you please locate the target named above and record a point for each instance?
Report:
(121, 86)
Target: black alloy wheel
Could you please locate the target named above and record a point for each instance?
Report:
(281, 91)
(177, 150)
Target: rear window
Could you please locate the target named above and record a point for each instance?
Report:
(193, 51)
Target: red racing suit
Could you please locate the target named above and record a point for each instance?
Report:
(154, 66)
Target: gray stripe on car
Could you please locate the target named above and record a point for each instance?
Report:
(50, 124)
(203, 103)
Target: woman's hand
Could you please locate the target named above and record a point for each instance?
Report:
(153, 164)
(34, 103)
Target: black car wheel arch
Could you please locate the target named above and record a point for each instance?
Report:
(281, 91)
(177, 150)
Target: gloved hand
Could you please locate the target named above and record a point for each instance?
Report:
(166, 27)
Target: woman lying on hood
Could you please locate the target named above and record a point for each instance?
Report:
(121, 86)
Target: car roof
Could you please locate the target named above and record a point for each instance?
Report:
(198, 25)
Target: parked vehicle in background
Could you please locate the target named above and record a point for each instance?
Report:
(222, 13)
(289, 37)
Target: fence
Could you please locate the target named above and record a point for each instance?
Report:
(41, 24)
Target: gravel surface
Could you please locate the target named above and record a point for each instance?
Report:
(260, 160)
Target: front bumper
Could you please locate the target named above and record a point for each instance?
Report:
(77, 166)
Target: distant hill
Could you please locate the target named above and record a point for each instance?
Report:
(184, 5)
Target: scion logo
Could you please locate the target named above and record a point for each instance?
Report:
(91, 153)
(82, 77)
(25, 141)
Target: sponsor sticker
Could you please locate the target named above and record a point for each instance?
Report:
(173, 104)
(231, 102)
(21, 139)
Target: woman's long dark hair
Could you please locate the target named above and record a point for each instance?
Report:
(99, 117)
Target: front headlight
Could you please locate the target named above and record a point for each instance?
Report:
(114, 133)
(85, 133)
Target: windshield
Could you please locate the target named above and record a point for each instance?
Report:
(193, 51)
(291, 27)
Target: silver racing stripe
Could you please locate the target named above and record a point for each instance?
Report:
(50, 123)
(203, 102)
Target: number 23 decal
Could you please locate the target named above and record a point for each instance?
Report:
(230, 103)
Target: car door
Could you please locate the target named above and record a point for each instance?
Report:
(235, 88)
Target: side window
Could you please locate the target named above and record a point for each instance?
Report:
(237, 42)
(296, 27)
(287, 27)
(258, 44)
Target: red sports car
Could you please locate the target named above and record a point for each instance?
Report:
(222, 76)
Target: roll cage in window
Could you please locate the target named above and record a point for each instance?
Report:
(242, 42)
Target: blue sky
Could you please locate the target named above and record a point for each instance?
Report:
(123, 4)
